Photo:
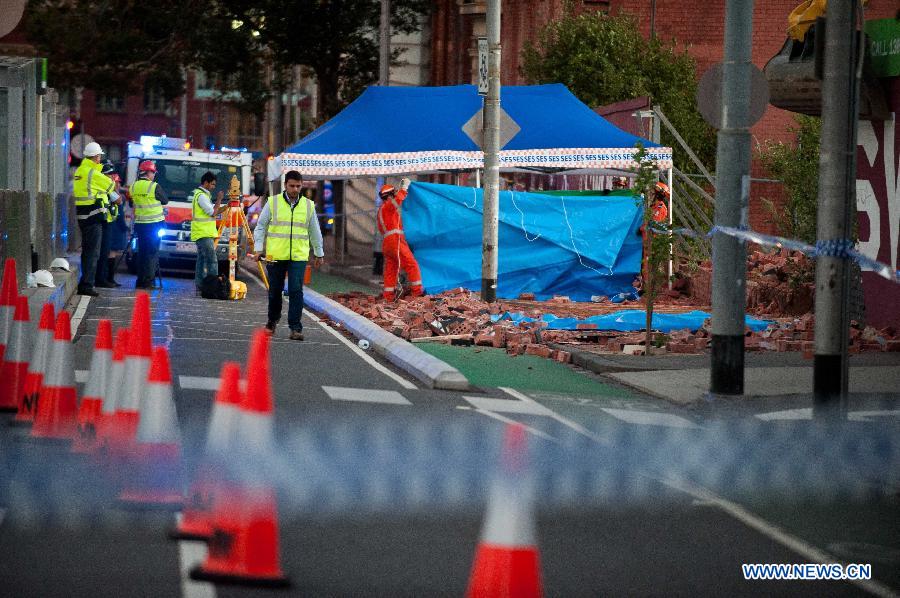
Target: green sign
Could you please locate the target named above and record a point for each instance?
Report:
(884, 47)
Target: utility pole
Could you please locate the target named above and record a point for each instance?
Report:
(729, 255)
(837, 190)
(491, 157)
(384, 44)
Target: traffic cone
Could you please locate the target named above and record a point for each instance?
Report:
(507, 562)
(196, 518)
(15, 359)
(105, 423)
(34, 379)
(92, 400)
(137, 365)
(55, 418)
(156, 457)
(8, 294)
(244, 548)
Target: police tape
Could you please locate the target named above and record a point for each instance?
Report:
(841, 248)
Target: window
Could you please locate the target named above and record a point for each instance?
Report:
(154, 101)
(110, 103)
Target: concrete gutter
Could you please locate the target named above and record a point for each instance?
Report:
(427, 368)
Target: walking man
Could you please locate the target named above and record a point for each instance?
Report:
(288, 227)
(397, 253)
(203, 227)
(90, 188)
(149, 199)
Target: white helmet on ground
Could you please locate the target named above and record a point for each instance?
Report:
(92, 149)
(61, 263)
(43, 278)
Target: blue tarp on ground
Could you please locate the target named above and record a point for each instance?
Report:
(395, 130)
(630, 320)
(548, 245)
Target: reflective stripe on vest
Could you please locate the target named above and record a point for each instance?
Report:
(88, 200)
(146, 208)
(202, 225)
(287, 236)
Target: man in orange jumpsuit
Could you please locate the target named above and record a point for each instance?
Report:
(396, 252)
(660, 210)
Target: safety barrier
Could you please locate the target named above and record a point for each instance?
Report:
(55, 230)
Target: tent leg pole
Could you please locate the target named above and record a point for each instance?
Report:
(671, 221)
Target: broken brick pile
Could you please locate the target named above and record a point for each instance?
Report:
(460, 317)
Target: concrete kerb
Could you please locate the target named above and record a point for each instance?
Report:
(427, 368)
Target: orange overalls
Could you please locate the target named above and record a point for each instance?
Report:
(396, 252)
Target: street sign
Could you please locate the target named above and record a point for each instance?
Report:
(482, 66)
(474, 127)
(11, 15)
(709, 95)
(76, 145)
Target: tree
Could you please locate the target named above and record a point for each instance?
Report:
(336, 39)
(797, 165)
(604, 59)
(118, 46)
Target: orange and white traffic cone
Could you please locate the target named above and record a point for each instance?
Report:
(244, 546)
(40, 357)
(507, 562)
(137, 365)
(8, 293)
(57, 407)
(92, 400)
(155, 461)
(15, 359)
(196, 518)
(105, 423)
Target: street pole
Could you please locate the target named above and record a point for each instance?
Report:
(729, 255)
(384, 44)
(491, 157)
(837, 174)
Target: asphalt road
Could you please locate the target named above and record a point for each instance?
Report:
(382, 482)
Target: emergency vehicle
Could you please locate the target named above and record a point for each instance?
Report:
(178, 172)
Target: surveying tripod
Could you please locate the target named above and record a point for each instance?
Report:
(233, 220)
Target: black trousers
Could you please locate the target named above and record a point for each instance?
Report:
(91, 237)
(148, 252)
(103, 273)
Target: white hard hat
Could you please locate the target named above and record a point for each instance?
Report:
(92, 149)
(61, 263)
(43, 278)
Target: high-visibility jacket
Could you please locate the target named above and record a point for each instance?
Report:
(287, 237)
(389, 220)
(147, 208)
(89, 188)
(660, 211)
(202, 224)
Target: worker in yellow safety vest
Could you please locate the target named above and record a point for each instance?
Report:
(203, 227)
(104, 276)
(288, 228)
(90, 188)
(148, 199)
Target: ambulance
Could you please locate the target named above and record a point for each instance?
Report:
(178, 171)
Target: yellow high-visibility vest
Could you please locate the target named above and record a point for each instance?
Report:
(147, 209)
(202, 225)
(287, 237)
(88, 187)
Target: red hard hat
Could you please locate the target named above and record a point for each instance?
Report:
(386, 190)
(146, 166)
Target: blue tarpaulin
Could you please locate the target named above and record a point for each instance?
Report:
(629, 320)
(548, 245)
(403, 130)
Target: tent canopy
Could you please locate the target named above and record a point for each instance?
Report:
(418, 130)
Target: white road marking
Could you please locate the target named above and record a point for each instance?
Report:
(507, 420)
(773, 532)
(365, 395)
(192, 553)
(863, 416)
(559, 418)
(81, 376)
(79, 313)
(786, 415)
(198, 382)
(508, 406)
(650, 418)
(365, 356)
